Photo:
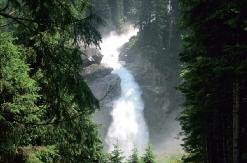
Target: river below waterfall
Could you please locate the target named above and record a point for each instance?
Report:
(128, 129)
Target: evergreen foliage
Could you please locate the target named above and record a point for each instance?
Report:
(149, 156)
(19, 94)
(44, 101)
(214, 72)
(116, 155)
(134, 158)
(46, 107)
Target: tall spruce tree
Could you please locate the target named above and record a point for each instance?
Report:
(42, 93)
(214, 70)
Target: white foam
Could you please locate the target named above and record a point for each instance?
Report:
(128, 128)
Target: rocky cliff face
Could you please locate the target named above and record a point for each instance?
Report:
(162, 100)
(104, 85)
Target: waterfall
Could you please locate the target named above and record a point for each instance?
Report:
(128, 128)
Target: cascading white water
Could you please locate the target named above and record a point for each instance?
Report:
(128, 129)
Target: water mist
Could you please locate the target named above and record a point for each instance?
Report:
(128, 128)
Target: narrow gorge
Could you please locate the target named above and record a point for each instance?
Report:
(132, 99)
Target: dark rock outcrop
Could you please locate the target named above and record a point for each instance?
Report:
(106, 88)
(91, 56)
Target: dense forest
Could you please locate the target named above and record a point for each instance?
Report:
(214, 85)
(46, 107)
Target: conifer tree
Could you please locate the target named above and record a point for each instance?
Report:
(42, 93)
(19, 94)
(134, 157)
(214, 69)
(149, 156)
(116, 155)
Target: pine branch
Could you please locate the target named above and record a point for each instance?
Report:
(50, 123)
(18, 19)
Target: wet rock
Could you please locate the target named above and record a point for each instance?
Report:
(91, 56)
(94, 54)
(95, 71)
(106, 88)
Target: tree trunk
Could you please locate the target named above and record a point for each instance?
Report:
(224, 144)
(236, 105)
